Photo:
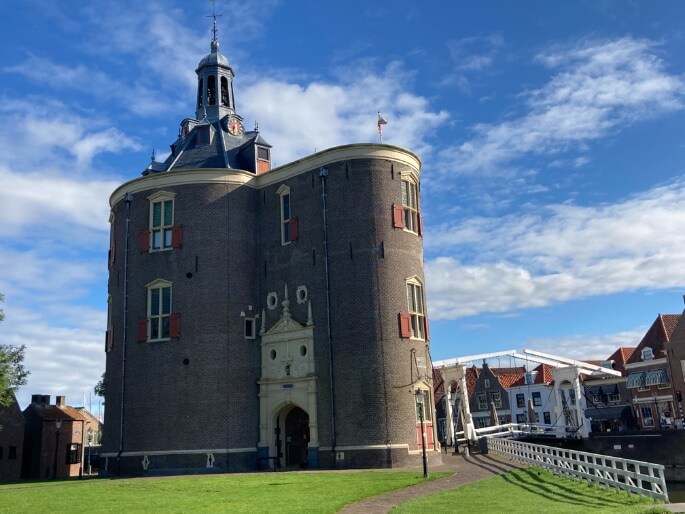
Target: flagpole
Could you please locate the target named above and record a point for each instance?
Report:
(381, 122)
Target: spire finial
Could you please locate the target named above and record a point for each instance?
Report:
(214, 16)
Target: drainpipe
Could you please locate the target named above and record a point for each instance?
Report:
(128, 197)
(323, 173)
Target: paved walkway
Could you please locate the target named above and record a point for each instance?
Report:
(476, 467)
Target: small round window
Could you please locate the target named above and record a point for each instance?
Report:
(301, 294)
(303, 350)
(272, 354)
(271, 300)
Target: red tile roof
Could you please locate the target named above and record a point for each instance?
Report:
(620, 357)
(509, 376)
(659, 333)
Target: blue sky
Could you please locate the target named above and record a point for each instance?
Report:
(551, 136)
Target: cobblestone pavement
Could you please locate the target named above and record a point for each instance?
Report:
(476, 467)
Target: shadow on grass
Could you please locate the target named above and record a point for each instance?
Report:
(531, 480)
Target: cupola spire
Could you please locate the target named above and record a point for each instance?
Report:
(214, 81)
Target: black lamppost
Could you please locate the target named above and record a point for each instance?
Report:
(58, 425)
(419, 405)
(90, 443)
(655, 395)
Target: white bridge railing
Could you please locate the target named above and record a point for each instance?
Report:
(641, 478)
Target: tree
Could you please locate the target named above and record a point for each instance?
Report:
(12, 372)
(100, 387)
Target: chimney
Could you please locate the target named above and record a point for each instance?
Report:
(60, 401)
(45, 400)
(35, 399)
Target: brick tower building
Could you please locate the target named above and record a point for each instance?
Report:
(265, 317)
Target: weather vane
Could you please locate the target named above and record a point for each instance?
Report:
(214, 16)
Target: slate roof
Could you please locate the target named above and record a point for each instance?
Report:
(223, 151)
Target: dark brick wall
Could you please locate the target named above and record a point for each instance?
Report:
(199, 391)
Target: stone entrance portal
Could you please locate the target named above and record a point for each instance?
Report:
(288, 423)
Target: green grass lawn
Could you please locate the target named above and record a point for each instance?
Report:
(254, 493)
(529, 490)
(524, 490)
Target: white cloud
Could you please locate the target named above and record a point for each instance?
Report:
(563, 252)
(598, 88)
(53, 204)
(587, 346)
(301, 118)
(63, 359)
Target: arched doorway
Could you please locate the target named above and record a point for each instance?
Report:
(296, 437)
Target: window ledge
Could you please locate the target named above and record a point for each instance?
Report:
(158, 340)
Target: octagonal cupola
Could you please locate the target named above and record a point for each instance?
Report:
(214, 84)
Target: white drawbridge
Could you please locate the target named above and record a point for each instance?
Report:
(564, 370)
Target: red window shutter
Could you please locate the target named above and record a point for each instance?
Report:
(142, 330)
(420, 227)
(177, 236)
(294, 229)
(426, 328)
(110, 340)
(144, 240)
(397, 215)
(405, 325)
(175, 325)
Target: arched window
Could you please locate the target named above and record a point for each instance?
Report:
(225, 100)
(211, 90)
(199, 92)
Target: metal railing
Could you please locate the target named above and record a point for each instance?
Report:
(634, 476)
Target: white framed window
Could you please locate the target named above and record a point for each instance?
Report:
(250, 325)
(520, 400)
(410, 204)
(647, 354)
(647, 419)
(487, 382)
(614, 398)
(496, 398)
(415, 309)
(288, 222)
(482, 401)
(537, 398)
(159, 310)
(161, 221)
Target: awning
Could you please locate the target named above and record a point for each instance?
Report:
(636, 380)
(595, 390)
(657, 376)
(617, 412)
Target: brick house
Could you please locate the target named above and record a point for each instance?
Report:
(649, 376)
(54, 439)
(608, 400)
(11, 441)
(675, 352)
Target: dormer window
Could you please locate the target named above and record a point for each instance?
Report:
(647, 354)
(203, 135)
(263, 159)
